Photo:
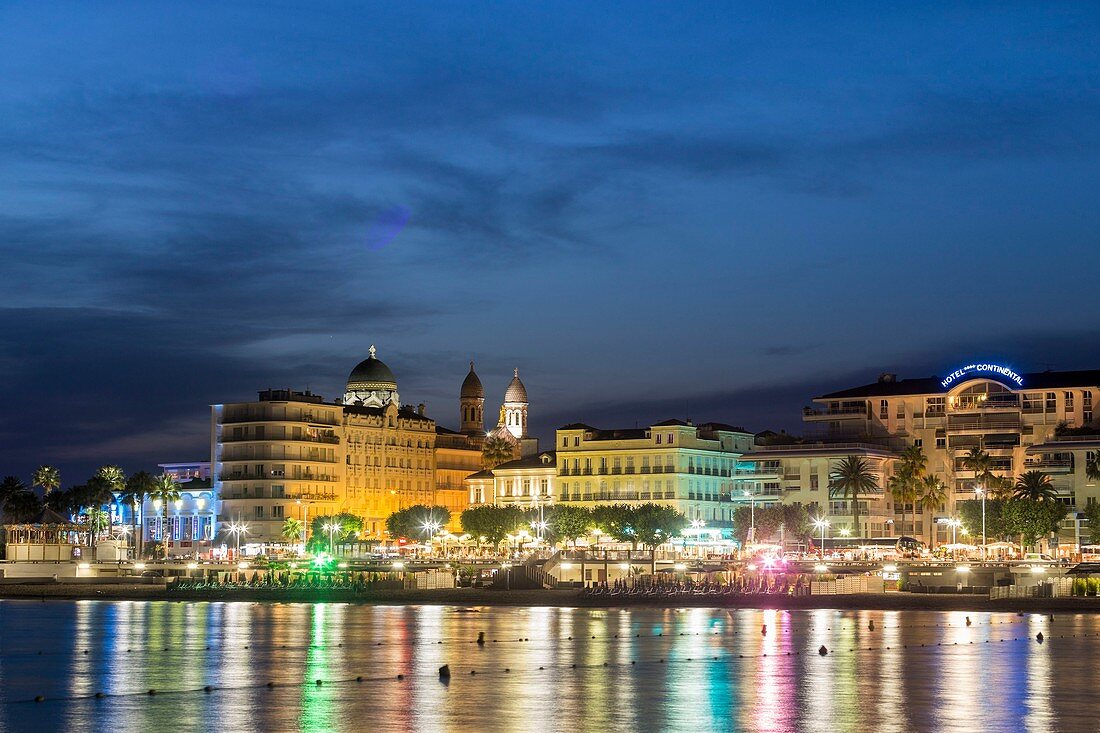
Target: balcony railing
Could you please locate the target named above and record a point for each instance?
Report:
(834, 412)
(308, 419)
(328, 439)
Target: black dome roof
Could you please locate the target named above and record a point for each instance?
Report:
(371, 373)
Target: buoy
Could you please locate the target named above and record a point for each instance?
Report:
(481, 638)
(473, 671)
(39, 698)
(1039, 637)
(967, 620)
(359, 679)
(208, 688)
(871, 624)
(764, 630)
(508, 669)
(445, 672)
(822, 651)
(152, 691)
(270, 684)
(1052, 617)
(99, 694)
(319, 683)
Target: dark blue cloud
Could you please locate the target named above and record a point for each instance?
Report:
(640, 207)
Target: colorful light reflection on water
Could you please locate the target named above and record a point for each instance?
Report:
(543, 668)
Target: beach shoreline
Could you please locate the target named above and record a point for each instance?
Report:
(468, 597)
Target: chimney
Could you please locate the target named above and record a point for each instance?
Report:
(886, 377)
(420, 409)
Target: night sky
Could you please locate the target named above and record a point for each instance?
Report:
(654, 210)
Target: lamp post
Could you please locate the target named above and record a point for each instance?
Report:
(752, 515)
(430, 528)
(305, 521)
(822, 524)
(237, 529)
(981, 493)
(330, 527)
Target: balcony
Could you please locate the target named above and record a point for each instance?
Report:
(308, 419)
(1049, 465)
(834, 413)
(327, 439)
(274, 476)
(983, 423)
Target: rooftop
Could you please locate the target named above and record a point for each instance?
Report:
(889, 387)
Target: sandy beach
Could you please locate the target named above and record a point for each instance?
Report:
(468, 597)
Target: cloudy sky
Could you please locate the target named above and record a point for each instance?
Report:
(652, 210)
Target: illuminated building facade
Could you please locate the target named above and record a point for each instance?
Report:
(291, 454)
(689, 467)
(1040, 421)
(528, 482)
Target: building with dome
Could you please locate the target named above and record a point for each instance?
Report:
(371, 384)
(290, 454)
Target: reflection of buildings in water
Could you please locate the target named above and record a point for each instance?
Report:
(1040, 712)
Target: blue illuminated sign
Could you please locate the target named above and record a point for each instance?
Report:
(976, 369)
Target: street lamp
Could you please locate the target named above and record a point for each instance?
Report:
(981, 492)
(822, 524)
(331, 528)
(237, 529)
(752, 515)
(430, 528)
(305, 520)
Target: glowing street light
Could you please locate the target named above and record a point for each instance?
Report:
(237, 529)
(981, 492)
(331, 528)
(752, 515)
(822, 524)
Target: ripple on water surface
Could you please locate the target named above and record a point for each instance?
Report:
(337, 667)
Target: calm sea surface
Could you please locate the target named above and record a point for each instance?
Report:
(548, 670)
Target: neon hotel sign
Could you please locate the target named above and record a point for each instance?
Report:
(975, 369)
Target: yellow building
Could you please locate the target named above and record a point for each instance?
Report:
(689, 467)
(291, 454)
(279, 457)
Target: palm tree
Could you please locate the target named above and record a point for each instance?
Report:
(905, 483)
(1035, 486)
(165, 490)
(10, 486)
(852, 477)
(1092, 468)
(495, 452)
(980, 462)
(292, 529)
(913, 461)
(932, 493)
(138, 488)
(99, 490)
(22, 506)
(47, 477)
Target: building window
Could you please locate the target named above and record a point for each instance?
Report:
(277, 512)
(883, 409)
(941, 443)
(565, 442)
(918, 442)
(1052, 402)
(936, 406)
(1069, 401)
(813, 482)
(670, 436)
(658, 438)
(259, 512)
